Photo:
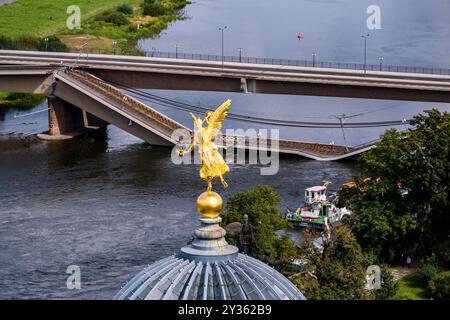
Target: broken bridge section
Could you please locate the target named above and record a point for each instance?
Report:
(79, 95)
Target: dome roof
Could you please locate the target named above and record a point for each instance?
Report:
(209, 269)
(237, 278)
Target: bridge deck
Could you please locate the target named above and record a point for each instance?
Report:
(183, 74)
(164, 126)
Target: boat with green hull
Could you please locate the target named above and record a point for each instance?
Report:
(318, 211)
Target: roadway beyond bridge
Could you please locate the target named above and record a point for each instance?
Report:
(26, 71)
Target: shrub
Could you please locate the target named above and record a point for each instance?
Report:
(389, 286)
(125, 9)
(53, 44)
(115, 17)
(20, 43)
(153, 9)
(439, 286)
(6, 43)
(260, 204)
(428, 270)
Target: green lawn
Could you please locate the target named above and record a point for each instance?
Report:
(32, 16)
(410, 287)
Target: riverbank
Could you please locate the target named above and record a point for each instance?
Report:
(20, 100)
(107, 26)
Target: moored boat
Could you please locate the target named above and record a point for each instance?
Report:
(318, 211)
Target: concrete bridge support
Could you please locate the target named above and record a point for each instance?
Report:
(67, 121)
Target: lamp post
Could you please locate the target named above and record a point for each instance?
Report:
(114, 46)
(341, 118)
(176, 51)
(46, 43)
(381, 62)
(365, 36)
(314, 59)
(222, 29)
(240, 54)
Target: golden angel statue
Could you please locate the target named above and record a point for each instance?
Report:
(212, 163)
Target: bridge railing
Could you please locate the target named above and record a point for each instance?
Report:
(297, 63)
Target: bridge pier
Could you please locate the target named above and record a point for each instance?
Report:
(67, 121)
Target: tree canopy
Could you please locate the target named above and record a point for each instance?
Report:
(338, 271)
(401, 201)
(260, 204)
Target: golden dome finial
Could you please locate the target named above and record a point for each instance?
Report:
(209, 205)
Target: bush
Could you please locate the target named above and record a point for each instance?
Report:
(125, 9)
(20, 43)
(154, 9)
(6, 43)
(115, 17)
(260, 204)
(439, 286)
(389, 286)
(52, 44)
(428, 270)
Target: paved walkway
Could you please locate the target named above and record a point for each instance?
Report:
(400, 272)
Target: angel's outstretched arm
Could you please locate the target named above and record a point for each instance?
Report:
(182, 152)
(191, 147)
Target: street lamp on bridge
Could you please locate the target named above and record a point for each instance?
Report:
(114, 43)
(222, 29)
(240, 54)
(176, 51)
(365, 36)
(381, 62)
(314, 59)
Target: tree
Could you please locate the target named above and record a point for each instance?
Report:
(260, 204)
(406, 201)
(336, 272)
(153, 8)
(380, 219)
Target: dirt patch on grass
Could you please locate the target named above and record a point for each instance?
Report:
(142, 21)
(76, 42)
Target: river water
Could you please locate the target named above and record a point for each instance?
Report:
(112, 204)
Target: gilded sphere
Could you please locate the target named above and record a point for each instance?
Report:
(209, 204)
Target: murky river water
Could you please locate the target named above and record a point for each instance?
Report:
(113, 205)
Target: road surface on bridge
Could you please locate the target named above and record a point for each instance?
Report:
(183, 74)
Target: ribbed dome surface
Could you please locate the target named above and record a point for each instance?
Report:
(237, 278)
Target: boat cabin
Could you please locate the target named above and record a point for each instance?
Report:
(317, 193)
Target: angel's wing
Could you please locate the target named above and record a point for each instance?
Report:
(216, 118)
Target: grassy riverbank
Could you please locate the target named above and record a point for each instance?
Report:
(45, 17)
(108, 26)
(20, 100)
